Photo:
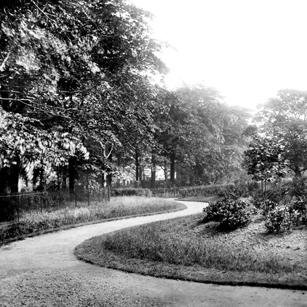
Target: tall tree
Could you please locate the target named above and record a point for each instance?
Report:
(202, 136)
(280, 149)
(284, 118)
(74, 69)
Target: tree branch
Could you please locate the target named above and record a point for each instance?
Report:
(16, 99)
(35, 106)
(4, 61)
(110, 152)
(106, 156)
(42, 11)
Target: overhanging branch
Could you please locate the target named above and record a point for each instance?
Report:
(4, 61)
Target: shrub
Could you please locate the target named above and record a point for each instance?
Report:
(212, 213)
(276, 194)
(131, 192)
(297, 187)
(238, 190)
(221, 190)
(267, 206)
(298, 210)
(279, 220)
(205, 190)
(230, 213)
(166, 192)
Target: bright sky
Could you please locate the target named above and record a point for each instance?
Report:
(246, 49)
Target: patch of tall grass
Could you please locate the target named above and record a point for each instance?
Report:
(36, 221)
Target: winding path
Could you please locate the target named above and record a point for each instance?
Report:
(42, 271)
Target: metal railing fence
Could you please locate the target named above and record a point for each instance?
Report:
(13, 206)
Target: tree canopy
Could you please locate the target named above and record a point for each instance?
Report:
(77, 95)
(280, 148)
(77, 71)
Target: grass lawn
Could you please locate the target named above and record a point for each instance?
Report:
(184, 249)
(38, 221)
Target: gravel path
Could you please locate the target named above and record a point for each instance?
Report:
(42, 271)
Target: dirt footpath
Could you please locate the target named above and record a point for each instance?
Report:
(42, 271)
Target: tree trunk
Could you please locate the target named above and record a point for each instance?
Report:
(153, 170)
(141, 174)
(42, 181)
(165, 171)
(64, 177)
(88, 189)
(72, 174)
(172, 167)
(109, 180)
(58, 176)
(265, 186)
(109, 185)
(4, 175)
(9, 185)
(13, 179)
(137, 167)
(103, 179)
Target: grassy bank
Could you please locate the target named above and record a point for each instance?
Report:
(185, 249)
(35, 222)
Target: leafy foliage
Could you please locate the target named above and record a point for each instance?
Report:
(264, 159)
(268, 206)
(279, 220)
(282, 147)
(230, 213)
(203, 136)
(298, 210)
(74, 75)
(22, 141)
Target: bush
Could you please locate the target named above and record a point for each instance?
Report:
(298, 210)
(221, 190)
(238, 190)
(275, 194)
(205, 190)
(230, 213)
(267, 206)
(131, 192)
(297, 187)
(166, 192)
(279, 220)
